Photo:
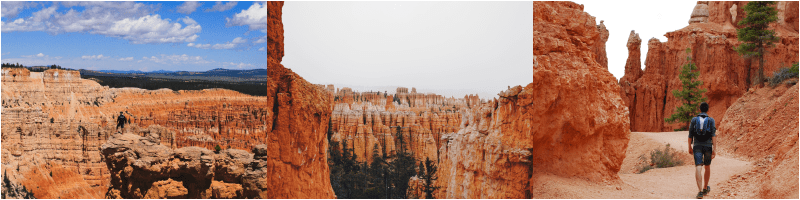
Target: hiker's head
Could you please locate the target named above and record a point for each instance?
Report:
(120, 112)
(703, 107)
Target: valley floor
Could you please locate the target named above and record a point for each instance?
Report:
(674, 182)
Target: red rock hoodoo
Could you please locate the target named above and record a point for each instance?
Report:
(365, 119)
(711, 34)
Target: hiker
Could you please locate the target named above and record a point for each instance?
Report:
(702, 129)
(121, 121)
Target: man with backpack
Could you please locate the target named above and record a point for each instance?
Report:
(121, 121)
(702, 130)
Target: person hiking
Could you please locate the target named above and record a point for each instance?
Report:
(702, 130)
(121, 121)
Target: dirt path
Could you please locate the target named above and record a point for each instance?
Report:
(672, 183)
(678, 182)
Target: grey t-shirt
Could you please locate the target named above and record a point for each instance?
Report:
(711, 125)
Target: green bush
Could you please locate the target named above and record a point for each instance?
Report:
(783, 73)
(217, 148)
(660, 159)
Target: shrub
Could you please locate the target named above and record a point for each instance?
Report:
(217, 148)
(783, 73)
(660, 159)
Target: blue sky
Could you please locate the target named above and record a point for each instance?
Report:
(146, 36)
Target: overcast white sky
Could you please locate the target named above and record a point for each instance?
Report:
(450, 48)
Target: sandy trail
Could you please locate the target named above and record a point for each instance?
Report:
(673, 183)
(679, 182)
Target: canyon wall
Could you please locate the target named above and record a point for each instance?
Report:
(711, 35)
(298, 111)
(570, 121)
(761, 127)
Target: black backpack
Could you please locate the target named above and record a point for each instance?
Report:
(704, 134)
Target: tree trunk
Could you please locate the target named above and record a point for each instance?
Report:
(760, 69)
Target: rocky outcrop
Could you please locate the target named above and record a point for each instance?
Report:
(569, 122)
(761, 126)
(143, 168)
(711, 35)
(298, 114)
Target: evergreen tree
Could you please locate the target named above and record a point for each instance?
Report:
(691, 95)
(402, 168)
(379, 173)
(428, 174)
(755, 33)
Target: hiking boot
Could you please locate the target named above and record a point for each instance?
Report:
(708, 189)
(700, 195)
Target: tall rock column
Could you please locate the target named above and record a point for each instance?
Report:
(633, 71)
(297, 142)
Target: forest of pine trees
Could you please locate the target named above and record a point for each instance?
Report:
(380, 178)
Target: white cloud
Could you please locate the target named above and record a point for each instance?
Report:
(238, 65)
(11, 9)
(261, 40)
(189, 7)
(228, 45)
(40, 55)
(153, 29)
(255, 17)
(93, 57)
(126, 59)
(127, 20)
(262, 49)
(177, 59)
(219, 6)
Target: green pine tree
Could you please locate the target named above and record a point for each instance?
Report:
(755, 33)
(691, 95)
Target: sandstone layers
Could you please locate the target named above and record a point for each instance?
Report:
(761, 126)
(711, 34)
(298, 113)
(569, 122)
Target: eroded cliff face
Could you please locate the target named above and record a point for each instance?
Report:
(761, 126)
(366, 119)
(711, 34)
(298, 111)
(569, 122)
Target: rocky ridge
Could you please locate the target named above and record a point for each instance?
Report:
(711, 34)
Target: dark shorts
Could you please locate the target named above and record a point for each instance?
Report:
(702, 155)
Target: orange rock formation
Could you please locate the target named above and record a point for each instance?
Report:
(298, 114)
(761, 126)
(711, 34)
(569, 122)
